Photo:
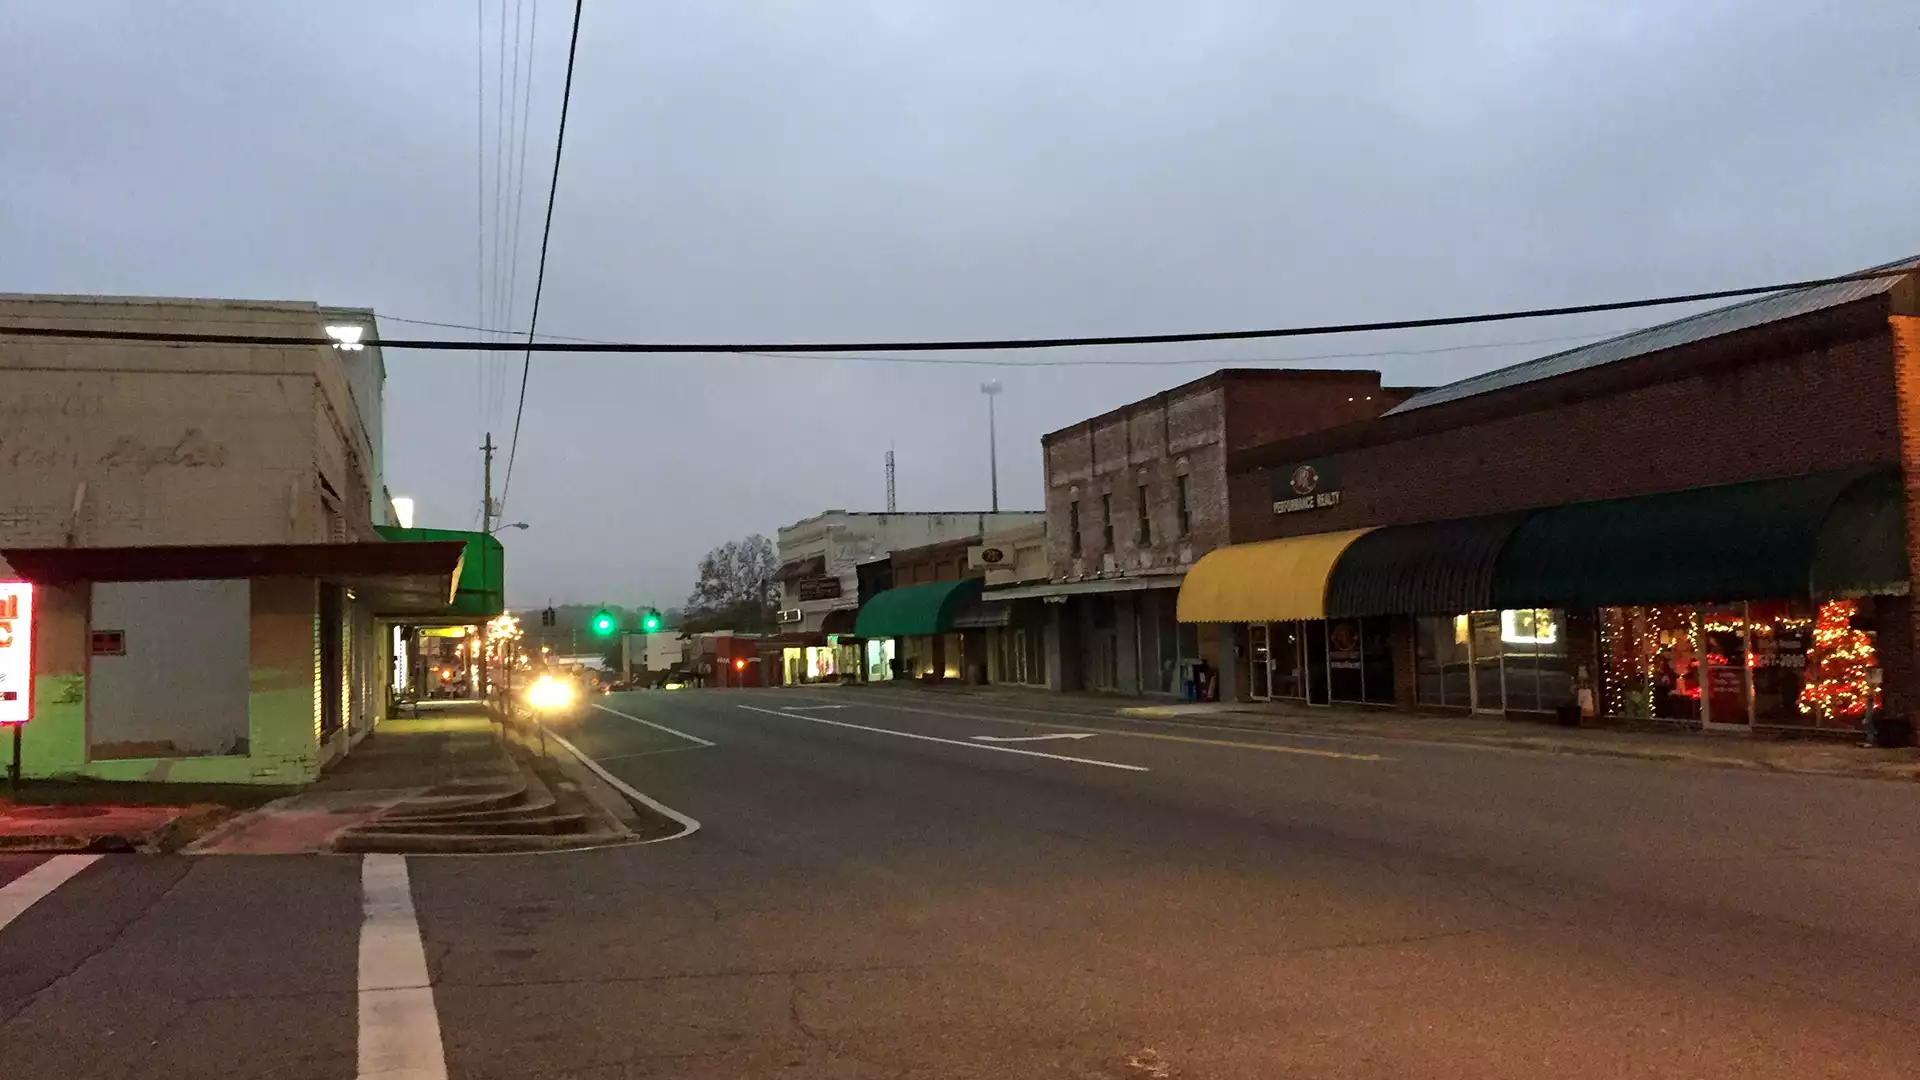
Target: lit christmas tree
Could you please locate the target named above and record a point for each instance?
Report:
(1836, 688)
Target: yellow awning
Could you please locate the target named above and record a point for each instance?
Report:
(1269, 581)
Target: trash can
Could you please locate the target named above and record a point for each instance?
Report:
(1567, 715)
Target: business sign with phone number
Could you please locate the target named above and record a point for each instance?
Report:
(16, 652)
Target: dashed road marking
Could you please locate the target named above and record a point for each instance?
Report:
(949, 742)
(657, 727)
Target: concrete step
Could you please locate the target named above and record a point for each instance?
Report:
(519, 826)
(400, 843)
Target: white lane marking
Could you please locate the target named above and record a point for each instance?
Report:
(23, 892)
(657, 727)
(399, 1028)
(797, 708)
(949, 742)
(688, 826)
(1033, 738)
(1271, 748)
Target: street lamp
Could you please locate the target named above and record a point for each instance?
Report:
(991, 388)
(509, 525)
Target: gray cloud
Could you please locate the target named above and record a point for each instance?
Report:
(899, 169)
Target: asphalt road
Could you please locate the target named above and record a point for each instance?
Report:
(873, 891)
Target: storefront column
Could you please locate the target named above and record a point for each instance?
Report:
(1126, 630)
(1892, 620)
(1405, 691)
(1228, 669)
(1583, 654)
(1055, 648)
(1900, 682)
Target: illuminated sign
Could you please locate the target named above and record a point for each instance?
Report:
(1304, 487)
(16, 652)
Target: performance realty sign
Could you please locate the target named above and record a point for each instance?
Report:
(1311, 486)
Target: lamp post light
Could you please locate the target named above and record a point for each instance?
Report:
(992, 388)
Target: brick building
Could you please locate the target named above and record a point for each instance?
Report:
(934, 611)
(1681, 523)
(1137, 494)
(820, 589)
(197, 528)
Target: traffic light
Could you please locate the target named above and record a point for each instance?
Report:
(547, 617)
(603, 623)
(650, 620)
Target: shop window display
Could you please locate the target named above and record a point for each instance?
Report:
(1769, 663)
(1493, 661)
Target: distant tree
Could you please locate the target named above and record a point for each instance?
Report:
(736, 589)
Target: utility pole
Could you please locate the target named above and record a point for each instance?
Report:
(486, 530)
(991, 388)
(891, 506)
(486, 485)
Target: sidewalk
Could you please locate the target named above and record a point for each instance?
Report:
(451, 781)
(1762, 752)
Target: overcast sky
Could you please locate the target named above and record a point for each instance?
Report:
(951, 168)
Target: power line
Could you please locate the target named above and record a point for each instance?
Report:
(1096, 362)
(546, 234)
(984, 345)
(520, 179)
(480, 202)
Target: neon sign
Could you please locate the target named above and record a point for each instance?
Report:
(16, 652)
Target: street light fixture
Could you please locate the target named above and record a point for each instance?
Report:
(992, 388)
(509, 525)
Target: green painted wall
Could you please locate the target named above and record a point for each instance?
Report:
(283, 706)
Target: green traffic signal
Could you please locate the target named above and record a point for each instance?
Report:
(603, 623)
(650, 622)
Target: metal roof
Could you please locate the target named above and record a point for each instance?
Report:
(1707, 324)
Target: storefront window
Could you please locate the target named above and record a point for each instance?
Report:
(1493, 661)
(1533, 654)
(820, 662)
(1344, 680)
(1442, 662)
(794, 664)
(880, 654)
(1773, 663)
(955, 656)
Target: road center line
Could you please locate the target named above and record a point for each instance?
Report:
(949, 742)
(30, 888)
(688, 826)
(657, 727)
(1271, 748)
(399, 1028)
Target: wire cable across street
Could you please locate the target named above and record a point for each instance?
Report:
(958, 345)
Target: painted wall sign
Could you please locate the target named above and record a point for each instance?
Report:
(1311, 486)
(987, 556)
(16, 652)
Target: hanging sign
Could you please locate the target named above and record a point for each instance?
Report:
(1304, 487)
(16, 652)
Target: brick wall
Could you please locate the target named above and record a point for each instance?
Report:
(1186, 431)
(1896, 616)
(1822, 407)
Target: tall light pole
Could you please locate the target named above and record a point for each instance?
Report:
(991, 388)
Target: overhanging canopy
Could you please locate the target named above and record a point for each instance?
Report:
(1437, 568)
(483, 591)
(1745, 541)
(916, 609)
(1862, 549)
(394, 579)
(1269, 581)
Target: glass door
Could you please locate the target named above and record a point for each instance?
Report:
(1289, 660)
(1315, 633)
(1260, 661)
(1727, 689)
(1489, 683)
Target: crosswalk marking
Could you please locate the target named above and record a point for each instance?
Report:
(399, 1028)
(23, 892)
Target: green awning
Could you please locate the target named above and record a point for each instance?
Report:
(916, 609)
(1862, 550)
(1747, 541)
(482, 593)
